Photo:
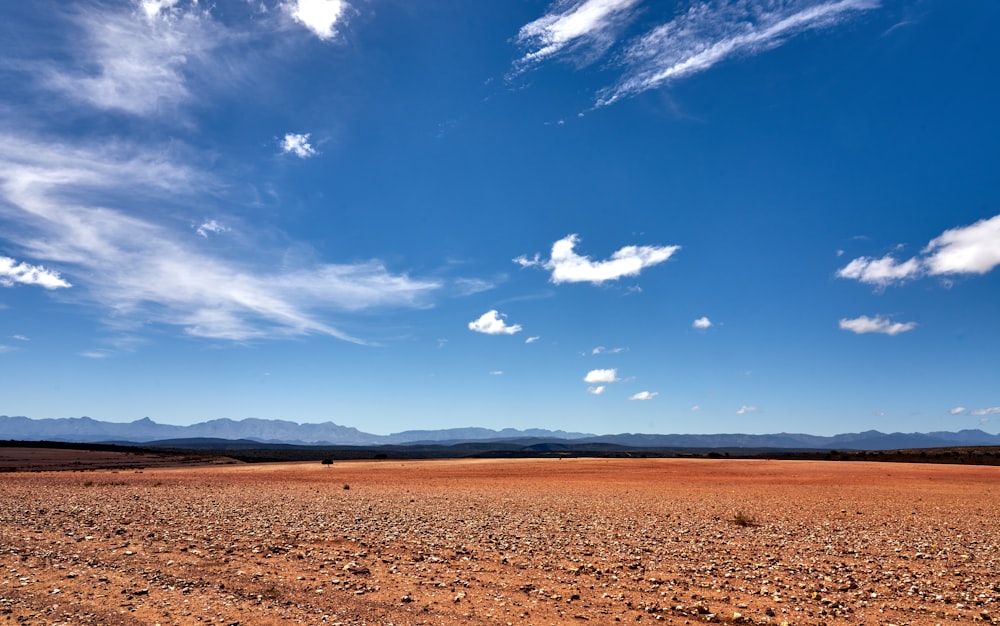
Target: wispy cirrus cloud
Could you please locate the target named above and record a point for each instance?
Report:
(99, 210)
(13, 272)
(878, 324)
(493, 322)
(709, 33)
(573, 26)
(566, 266)
(136, 62)
(993, 410)
(746, 408)
(973, 249)
(211, 226)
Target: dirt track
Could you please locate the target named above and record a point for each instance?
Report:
(503, 542)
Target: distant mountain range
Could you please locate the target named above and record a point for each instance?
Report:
(145, 430)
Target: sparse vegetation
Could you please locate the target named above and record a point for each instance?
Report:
(743, 520)
(347, 486)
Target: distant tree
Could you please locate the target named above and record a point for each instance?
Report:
(327, 461)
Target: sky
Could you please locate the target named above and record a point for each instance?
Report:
(598, 216)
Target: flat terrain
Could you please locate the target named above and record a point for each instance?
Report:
(535, 541)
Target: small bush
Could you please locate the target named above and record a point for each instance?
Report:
(88, 483)
(347, 486)
(743, 520)
(327, 461)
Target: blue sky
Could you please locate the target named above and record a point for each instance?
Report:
(591, 215)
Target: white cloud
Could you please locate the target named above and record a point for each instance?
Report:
(569, 267)
(101, 209)
(877, 324)
(601, 376)
(298, 145)
(492, 323)
(746, 408)
(211, 226)
(95, 354)
(152, 8)
(882, 271)
(712, 32)
(603, 350)
(137, 64)
(12, 272)
(319, 16)
(20, 337)
(532, 339)
(958, 410)
(696, 408)
(702, 323)
(644, 395)
(496, 373)
(993, 410)
(973, 249)
(598, 390)
(573, 25)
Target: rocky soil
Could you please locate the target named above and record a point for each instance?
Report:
(541, 541)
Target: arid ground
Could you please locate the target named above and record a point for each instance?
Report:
(539, 541)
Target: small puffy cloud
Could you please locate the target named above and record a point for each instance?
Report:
(746, 408)
(993, 410)
(601, 376)
(958, 410)
(644, 395)
(496, 373)
(298, 145)
(702, 323)
(877, 324)
(492, 323)
(567, 266)
(973, 249)
(532, 339)
(880, 272)
(319, 16)
(696, 408)
(12, 272)
(211, 226)
(598, 390)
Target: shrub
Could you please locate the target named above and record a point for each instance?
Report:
(744, 521)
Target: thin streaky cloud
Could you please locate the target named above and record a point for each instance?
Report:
(993, 410)
(711, 32)
(133, 63)
(958, 410)
(55, 203)
(211, 226)
(878, 324)
(572, 25)
(746, 408)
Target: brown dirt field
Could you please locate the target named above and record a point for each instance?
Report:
(537, 541)
(14, 459)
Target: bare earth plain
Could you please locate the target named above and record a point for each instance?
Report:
(536, 541)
